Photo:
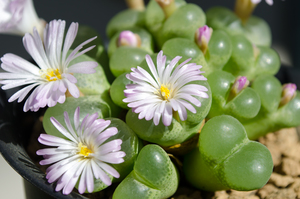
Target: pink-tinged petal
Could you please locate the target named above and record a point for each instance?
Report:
(151, 64)
(76, 117)
(157, 116)
(82, 183)
(68, 123)
(72, 88)
(54, 159)
(167, 115)
(49, 151)
(18, 64)
(86, 67)
(75, 53)
(113, 158)
(16, 83)
(51, 140)
(21, 94)
(189, 98)
(89, 179)
(70, 178)
(62, 129)
(182, 112)
(112, 146)
(187, 105)
(99, 173)
(71, 78)
(105, 135)
(32, 49)
(70, 37)
(109, 169)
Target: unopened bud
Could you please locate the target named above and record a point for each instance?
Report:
(240, 83)
(168, 6)
(202, 37)
(288, 93)
(128, 38)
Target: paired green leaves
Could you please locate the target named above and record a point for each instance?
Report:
(272, 116)
(255, 29)
(153, 176)
(244, 106)
(227, 159)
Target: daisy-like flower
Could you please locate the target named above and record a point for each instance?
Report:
(52, 78)
(83, 156)
(166, 89)
(19, 17)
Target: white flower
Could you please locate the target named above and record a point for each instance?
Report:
(270, 2)
(165, 90)
(83, 155)
(53, 76)
(19, 17)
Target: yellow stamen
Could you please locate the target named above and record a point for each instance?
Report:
(165, 92)
(84, 150)
(51, 74)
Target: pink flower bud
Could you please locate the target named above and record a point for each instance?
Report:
(128, 38)
(241, 82)
(202, 37)
(288, 93)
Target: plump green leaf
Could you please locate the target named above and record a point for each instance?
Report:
(154, 176)
(227, 159)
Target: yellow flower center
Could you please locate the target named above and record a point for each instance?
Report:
(84, 150)
(51, 74)
(165, 92)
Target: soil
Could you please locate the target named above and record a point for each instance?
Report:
(284, 183)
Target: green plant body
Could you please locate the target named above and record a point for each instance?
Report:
(255, 29)
(153, 176)
(272, 116)
(227, 159)
(244, 106)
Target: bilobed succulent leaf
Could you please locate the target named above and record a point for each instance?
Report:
(242, 58)
(124, 20)
(124, 58)
(187, 49)
(269, 89)
(244, 105)
(227, 159)
(288, 115)
(219, 50)
(255, 29)
(267, 62)
(191, 15)
(117, 90)
(154, 17)
(154, 176)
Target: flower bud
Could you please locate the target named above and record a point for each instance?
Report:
(128, 38)
(288, 93)
(168, 6)
(202, 37)
(240, 83)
